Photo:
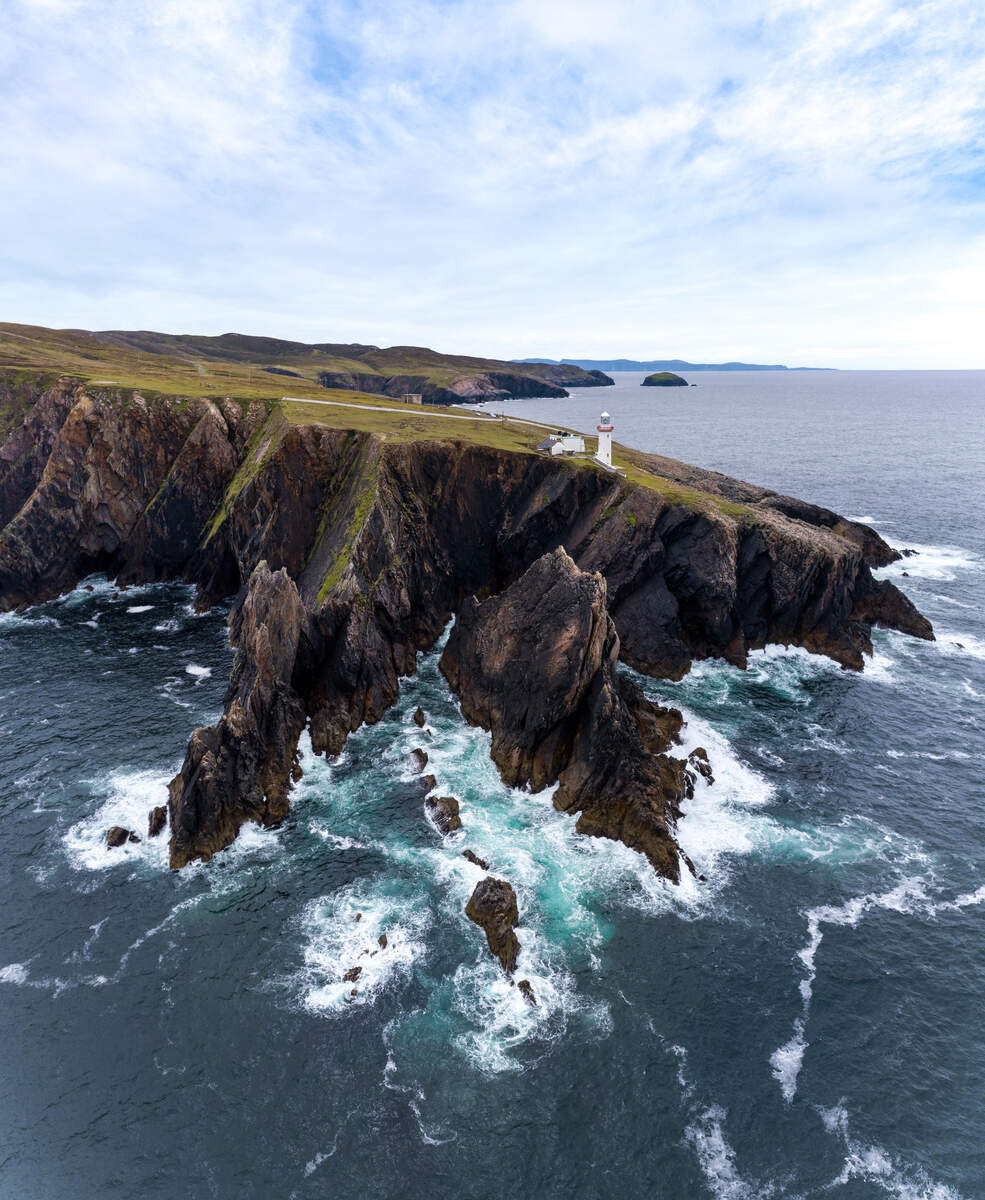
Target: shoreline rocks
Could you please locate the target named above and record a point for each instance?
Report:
(492, 906)
(348, 552)
(536, 665)
(443, 811)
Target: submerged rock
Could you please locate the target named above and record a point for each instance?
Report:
(492, 906)
(157, 820)
(475, 859)
(444, 813)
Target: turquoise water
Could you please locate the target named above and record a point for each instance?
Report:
(806, 1023)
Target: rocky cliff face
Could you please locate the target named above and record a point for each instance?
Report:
(536, 665)
(349, 553)
(483, 385)
(567, 375)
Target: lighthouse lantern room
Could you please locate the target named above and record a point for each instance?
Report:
(604, 453)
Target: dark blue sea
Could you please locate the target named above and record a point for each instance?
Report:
(808, 1023)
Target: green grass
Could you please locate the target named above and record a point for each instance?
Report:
(261, 444)
(182, 364)
(161, 367)
(664, 379)
(18, 386)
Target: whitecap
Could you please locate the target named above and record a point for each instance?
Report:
(129, 797)
(342, 932)
(706, 1137)
(942, 563)
(909, 896)
(198, 672)
(955, 643)
(14, 973)
(140, 608)
(870, 1163)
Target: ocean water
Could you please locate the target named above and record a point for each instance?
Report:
(807, 1023)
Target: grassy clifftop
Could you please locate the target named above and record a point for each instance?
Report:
(233, 363)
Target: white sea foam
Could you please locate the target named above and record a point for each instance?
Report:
(14, 973)
(139, 608)
(706, 1137)
(951, 600)
(943, 563)
(27, 620)
(336, 942)
(909, 896)
(870, 1163)
(198, 672)
(952, 642)
(129, 797)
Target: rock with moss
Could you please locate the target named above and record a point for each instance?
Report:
(664, 379)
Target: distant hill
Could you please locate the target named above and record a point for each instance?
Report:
(190, 363)
(663, 364)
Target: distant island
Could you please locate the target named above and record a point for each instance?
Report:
(663, 379)
(662, 364)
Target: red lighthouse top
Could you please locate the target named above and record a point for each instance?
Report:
(606, 426)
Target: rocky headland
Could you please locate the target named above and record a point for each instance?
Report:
(475, 388)
(348, 551)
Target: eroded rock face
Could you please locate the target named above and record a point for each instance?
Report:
(239, 770)
(157, 820)
(348, 553)
(536, 665)
(116, 836)
(492, 906)
(444, 813)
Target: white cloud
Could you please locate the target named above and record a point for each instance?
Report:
(795, 181)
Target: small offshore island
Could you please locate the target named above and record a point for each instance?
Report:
(349, 532)
(663, 379)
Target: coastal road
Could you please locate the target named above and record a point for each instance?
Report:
(413, 410)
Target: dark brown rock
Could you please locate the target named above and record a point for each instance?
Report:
(157, 820)
(381, 541)
(492, 906)
(444, 812)
(698, 759)
(419, 717)
(475, 859)
(118, 836)
(239, 770)
(537, 666)
(352, 975)
(527, 992)
(420, 757)
(430, 782)
(382, 939)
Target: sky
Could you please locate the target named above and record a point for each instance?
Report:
(797, 181)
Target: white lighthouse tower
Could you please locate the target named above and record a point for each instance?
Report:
(604, 453)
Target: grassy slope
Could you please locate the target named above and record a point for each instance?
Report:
(183, 363)
(39, 353)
